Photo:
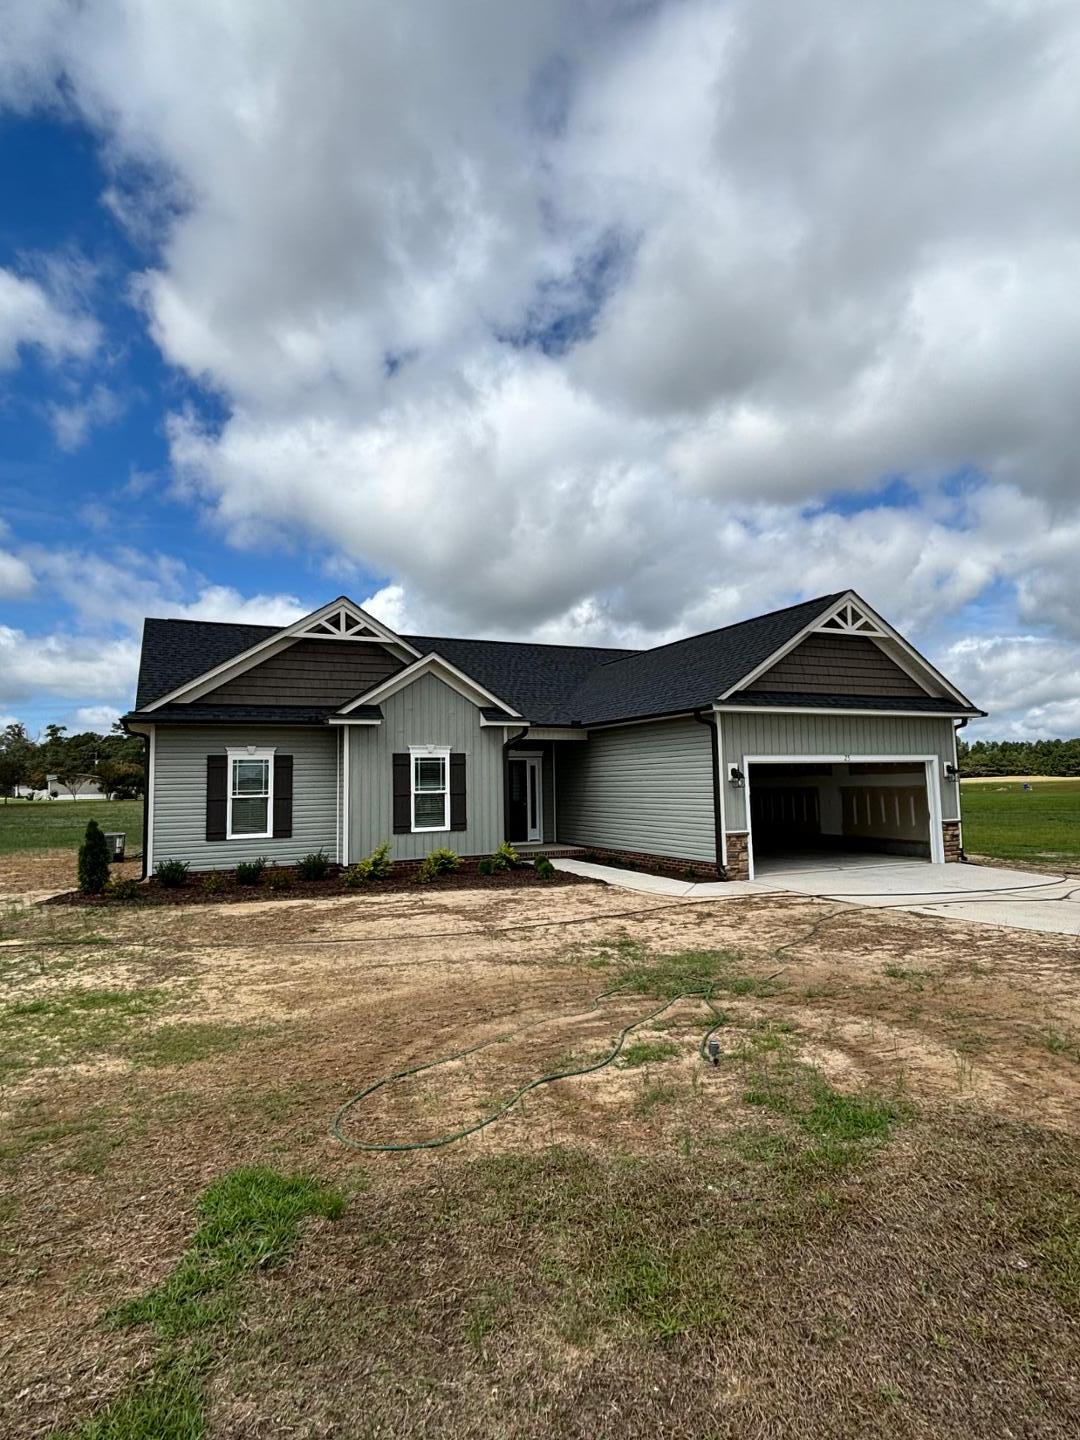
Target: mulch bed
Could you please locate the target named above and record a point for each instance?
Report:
(404, 878)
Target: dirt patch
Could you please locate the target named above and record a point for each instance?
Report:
(35, 874)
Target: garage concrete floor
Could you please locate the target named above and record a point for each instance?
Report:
(982, 893)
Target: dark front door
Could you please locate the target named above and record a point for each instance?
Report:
(517, 804)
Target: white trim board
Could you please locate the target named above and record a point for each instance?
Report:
(442, 669)
(835, 710)
(930, 763)
(306, 628)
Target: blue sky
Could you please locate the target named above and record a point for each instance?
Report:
(538, 323)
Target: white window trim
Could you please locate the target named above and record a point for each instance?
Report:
(250, 752)
(429, 752)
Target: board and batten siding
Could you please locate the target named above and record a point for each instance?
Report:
(179, 810)
(427, 712)
(644, 788)
(785, 735)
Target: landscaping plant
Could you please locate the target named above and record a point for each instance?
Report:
(440, 862)
(214, 882)
(276, 879)
(376, 866)
(544, 868)
(93, 860)
(171, 873)
(123, 887)
(314, 866)
(249, 872)
(505, 857)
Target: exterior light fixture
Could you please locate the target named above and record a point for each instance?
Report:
(951, 773)
(736, 777)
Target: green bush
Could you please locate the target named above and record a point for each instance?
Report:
(544, 868)
(214, 882)
(171, 873)
(486, 866)
(315, 866)
(123, 887)
(439, 862)
(250, 872)
(376, 866)
(276, 879)
(93, 860)
(505, 857)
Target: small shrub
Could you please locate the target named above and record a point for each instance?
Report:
(276, 879)
(122, 887)
(214, 882)
(439, 862)
(486, 866)
(93, 861)
(315, 866)
(250, 872)
(376, 866)
(505, 857)
(544, 868)
(171, 873)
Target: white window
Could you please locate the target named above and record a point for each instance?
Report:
(430, 787)
(251, 794)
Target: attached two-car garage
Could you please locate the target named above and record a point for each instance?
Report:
(829, 807)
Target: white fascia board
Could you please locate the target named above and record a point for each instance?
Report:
(273, 644)
(436, 664)
(850, 596)
(836, 710)
(344, 720)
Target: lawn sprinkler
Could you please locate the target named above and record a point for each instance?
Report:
(714, 1051)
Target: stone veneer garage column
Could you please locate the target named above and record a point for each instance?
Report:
(738, 855)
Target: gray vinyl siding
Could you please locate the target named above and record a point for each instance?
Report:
(854, 735)
(646, 788)
(427, 712)
(309, 672)
(837, 665)
(179, 810)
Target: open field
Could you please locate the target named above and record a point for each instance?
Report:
(1007, 822)
(865, 1220)
(35, 825)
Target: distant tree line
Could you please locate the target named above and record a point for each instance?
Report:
(114, 761)
(1019, 757)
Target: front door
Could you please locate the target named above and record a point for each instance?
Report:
(524, 816)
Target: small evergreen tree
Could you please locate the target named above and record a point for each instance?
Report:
(93, 861)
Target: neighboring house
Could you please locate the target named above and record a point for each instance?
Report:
(816, 726)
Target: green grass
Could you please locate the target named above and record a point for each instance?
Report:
(1041, 825)
(166, 1405)
(70, 1025)
(648, 1052)
(61, 824)
(187, 1041)
(249, 1219)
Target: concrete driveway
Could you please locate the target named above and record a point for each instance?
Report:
(982, 893)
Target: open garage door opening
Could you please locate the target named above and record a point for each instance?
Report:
(813, 811)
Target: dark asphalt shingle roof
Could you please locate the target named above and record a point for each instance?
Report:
(546, 684)
(200, 714)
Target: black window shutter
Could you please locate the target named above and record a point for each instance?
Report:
(457, 792)
(283, 787)
(402, 794)
(216, 796)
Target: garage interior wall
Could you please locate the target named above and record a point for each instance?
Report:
(784, 735)
(880, 804)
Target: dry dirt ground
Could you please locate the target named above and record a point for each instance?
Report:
(864, 1220)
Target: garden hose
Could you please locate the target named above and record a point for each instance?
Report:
(706, 993)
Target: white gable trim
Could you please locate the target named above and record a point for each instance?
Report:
(339, 620)
(906, 656)
(432, 664)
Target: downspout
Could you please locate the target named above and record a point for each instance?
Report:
(506, 746)
(956, 762)
(709, 721)
(146, 793)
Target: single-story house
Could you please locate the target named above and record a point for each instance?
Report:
(813, 727)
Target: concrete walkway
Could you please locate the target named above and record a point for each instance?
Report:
(980, 893)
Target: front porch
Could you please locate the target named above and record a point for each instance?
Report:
(529, 849)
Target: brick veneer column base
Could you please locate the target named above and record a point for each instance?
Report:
(950, 836)
(652, 864)
(738, 855)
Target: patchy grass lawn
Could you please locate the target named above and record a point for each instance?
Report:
(1007, 822)
(35, 825)
(864, 1220)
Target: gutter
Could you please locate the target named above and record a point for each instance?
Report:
(709, 721)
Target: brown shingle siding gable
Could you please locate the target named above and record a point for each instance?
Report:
(837, 665)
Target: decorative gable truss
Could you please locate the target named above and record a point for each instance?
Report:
(340, 620)
(850, 618)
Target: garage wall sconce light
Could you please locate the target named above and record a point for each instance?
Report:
(952, 773)
(736, 777)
